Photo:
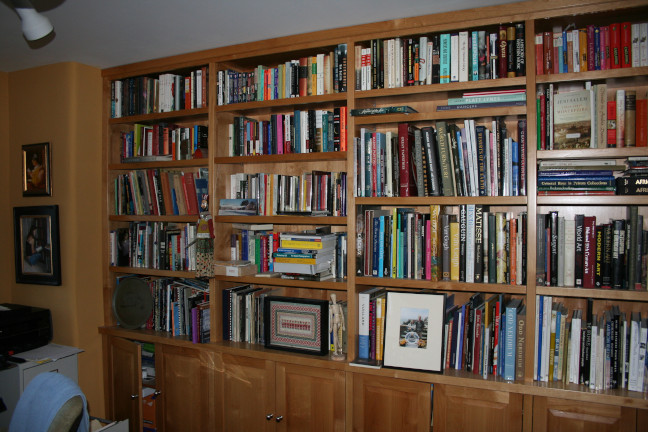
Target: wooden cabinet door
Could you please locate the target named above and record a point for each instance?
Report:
(471, 409)
(185, 379)
(247, 393)
(124, 381)
(556, 415)
(309, 399)
(390, 404)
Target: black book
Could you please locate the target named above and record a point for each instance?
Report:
(429, 145)
(618, 253)
(482, 148)
(606, 268)
(553, 244)
(520, 64)
(579, 255)
(436, 61)
(455, 142)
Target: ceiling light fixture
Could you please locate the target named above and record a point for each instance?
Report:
(35, 26)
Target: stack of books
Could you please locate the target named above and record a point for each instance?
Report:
(577, 177)
(486, 99)
(635, 179)
(305, 256)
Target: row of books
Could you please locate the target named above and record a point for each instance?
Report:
(593, 47)
(580, 253)
(323, 73)
(154, 245)
(484, 336)
(244, 317)
(163, 141)
(605, 350)
(600, 182)
(441, 58)
(445, 160)
(301, 132)
(315, 193)
(180, 306)
(297, 256)
(159, 192)
(474, 246)
(588, 117)
(157, 94)
(634, 180)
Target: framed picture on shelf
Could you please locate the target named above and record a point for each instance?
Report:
(414, 331)
(297, 324)
(36, 169)
(36, 245)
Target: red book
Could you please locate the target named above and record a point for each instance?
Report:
(626, 45)
(539, 54)
(190, 193)
(641, 123)
(605, 47)
(407, 185)
(611, 124)
(303, 76)
(615, 46)
(343, 128)
(502, 61)
(547, 42)
(589, 253)
(591, 54)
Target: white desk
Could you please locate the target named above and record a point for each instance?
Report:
(13, 380)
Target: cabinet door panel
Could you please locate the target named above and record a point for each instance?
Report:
(186, 379)
(248, 394)
(125, 382)
(469, 409)
(389, 404)
(555, 415)
(310, 398)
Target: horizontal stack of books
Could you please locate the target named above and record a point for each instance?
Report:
(577, 177)
(486, 99)
(306, 256)
(635, 179)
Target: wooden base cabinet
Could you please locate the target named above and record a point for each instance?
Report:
(263, 395)
(390, 404)
(184, 386)
(469, 409)
(555, 415)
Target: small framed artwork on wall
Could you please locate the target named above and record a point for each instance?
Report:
(36, 167)
(36, 245)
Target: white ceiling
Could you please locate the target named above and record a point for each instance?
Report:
(106, 33)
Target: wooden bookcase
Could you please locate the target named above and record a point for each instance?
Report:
(292, 385)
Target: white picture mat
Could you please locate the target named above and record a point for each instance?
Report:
(428, 358)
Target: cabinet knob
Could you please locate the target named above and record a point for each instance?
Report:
(156, 393)
(269, 417)
(279, 418)
(134, 396)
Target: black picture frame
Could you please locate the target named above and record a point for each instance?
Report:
(36, 170)
(36, 245)
(297, 324)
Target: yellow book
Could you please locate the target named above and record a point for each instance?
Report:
(380, 326)
(435, 210)
(454, 251)
(299, 244)
(311, 261)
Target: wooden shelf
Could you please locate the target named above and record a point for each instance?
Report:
(602, 200)
(156, 117)
(418, 284)
(159, 164)
(284, 220)
(333, 285)
(283, 158)
(607, 153)
(424, 201)
(153, 218)
(440, 88)
(592, 75)
(282, 103)
(623, 295)
(441, 115)
(153, 272)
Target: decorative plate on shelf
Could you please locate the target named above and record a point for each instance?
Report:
(132, 303)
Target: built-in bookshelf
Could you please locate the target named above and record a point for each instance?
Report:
(472, 121)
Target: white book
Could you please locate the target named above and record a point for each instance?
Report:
(473, 152)
(390, 63)
(634, 38)
(463, 56)
(454, 57)
(428, 78)
(620, 113)
(320, 74)
(199, 89)
(600, 356)
(423, 59)
(593, 353)
(537, 331)
(643, 44)
(569, 252)
(486, 356)
(623, 365)
(546, 336)
(470, 243)
(398, 62)
(574, 348)
(576, 50)
(635, 332)
(643, 341)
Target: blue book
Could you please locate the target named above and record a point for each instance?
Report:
(565, 51)
(540, 303)
(597, 48)
(474, 56)
(375, 246)
(510, 345)
(460, 335)
(556, 347)
(515, 168)
(381, 246)
(445, 58)
(297, 143)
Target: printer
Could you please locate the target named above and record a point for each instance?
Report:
(23, 328)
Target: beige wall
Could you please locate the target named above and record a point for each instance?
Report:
(6, 237)
(61, 104)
